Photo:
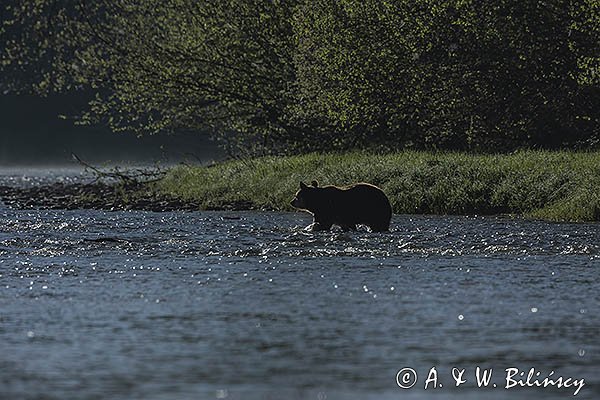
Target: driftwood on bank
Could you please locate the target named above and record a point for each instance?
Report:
(133, 176)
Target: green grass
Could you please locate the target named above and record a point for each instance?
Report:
(557, 186)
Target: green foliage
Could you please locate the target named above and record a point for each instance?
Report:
(299, 76)
(452, 74)
(560, 186)
(160, 65)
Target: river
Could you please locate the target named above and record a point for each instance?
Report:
(248, 305)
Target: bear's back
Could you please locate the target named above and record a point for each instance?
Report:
(363, 203)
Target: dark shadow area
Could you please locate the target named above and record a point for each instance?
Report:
(31, 133)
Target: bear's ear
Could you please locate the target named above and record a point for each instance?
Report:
(302, 185)
(314, 184)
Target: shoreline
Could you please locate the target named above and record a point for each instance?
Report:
(558, 186)
(543, 185)
(98, 196)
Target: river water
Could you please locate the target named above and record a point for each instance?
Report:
(248, 305)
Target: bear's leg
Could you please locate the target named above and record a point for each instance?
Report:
(350, 227)
(320, 226)
(379, 228)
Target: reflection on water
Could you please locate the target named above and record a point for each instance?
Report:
(36, 176)
(248, 305)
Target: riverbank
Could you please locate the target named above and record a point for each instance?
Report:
(98, 196)
(555, 186)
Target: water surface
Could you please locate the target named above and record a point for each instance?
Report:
(248, 305)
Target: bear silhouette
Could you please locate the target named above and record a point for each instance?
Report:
(361, 203)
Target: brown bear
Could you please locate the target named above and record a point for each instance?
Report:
(361, 203)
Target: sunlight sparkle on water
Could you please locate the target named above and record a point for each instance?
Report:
(196, 309)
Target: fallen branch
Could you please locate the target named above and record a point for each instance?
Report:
(134, 176)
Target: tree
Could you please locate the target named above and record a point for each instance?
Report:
(466, 74)
(155, 65)
(294, 76)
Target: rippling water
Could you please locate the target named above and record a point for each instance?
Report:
(35, 176)
(248, 305)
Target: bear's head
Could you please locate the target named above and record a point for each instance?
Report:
(305, 197)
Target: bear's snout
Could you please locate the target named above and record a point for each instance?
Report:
(297, 203)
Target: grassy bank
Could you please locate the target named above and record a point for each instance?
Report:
(557, 186)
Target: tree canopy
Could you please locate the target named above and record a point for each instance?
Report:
(294, 76)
